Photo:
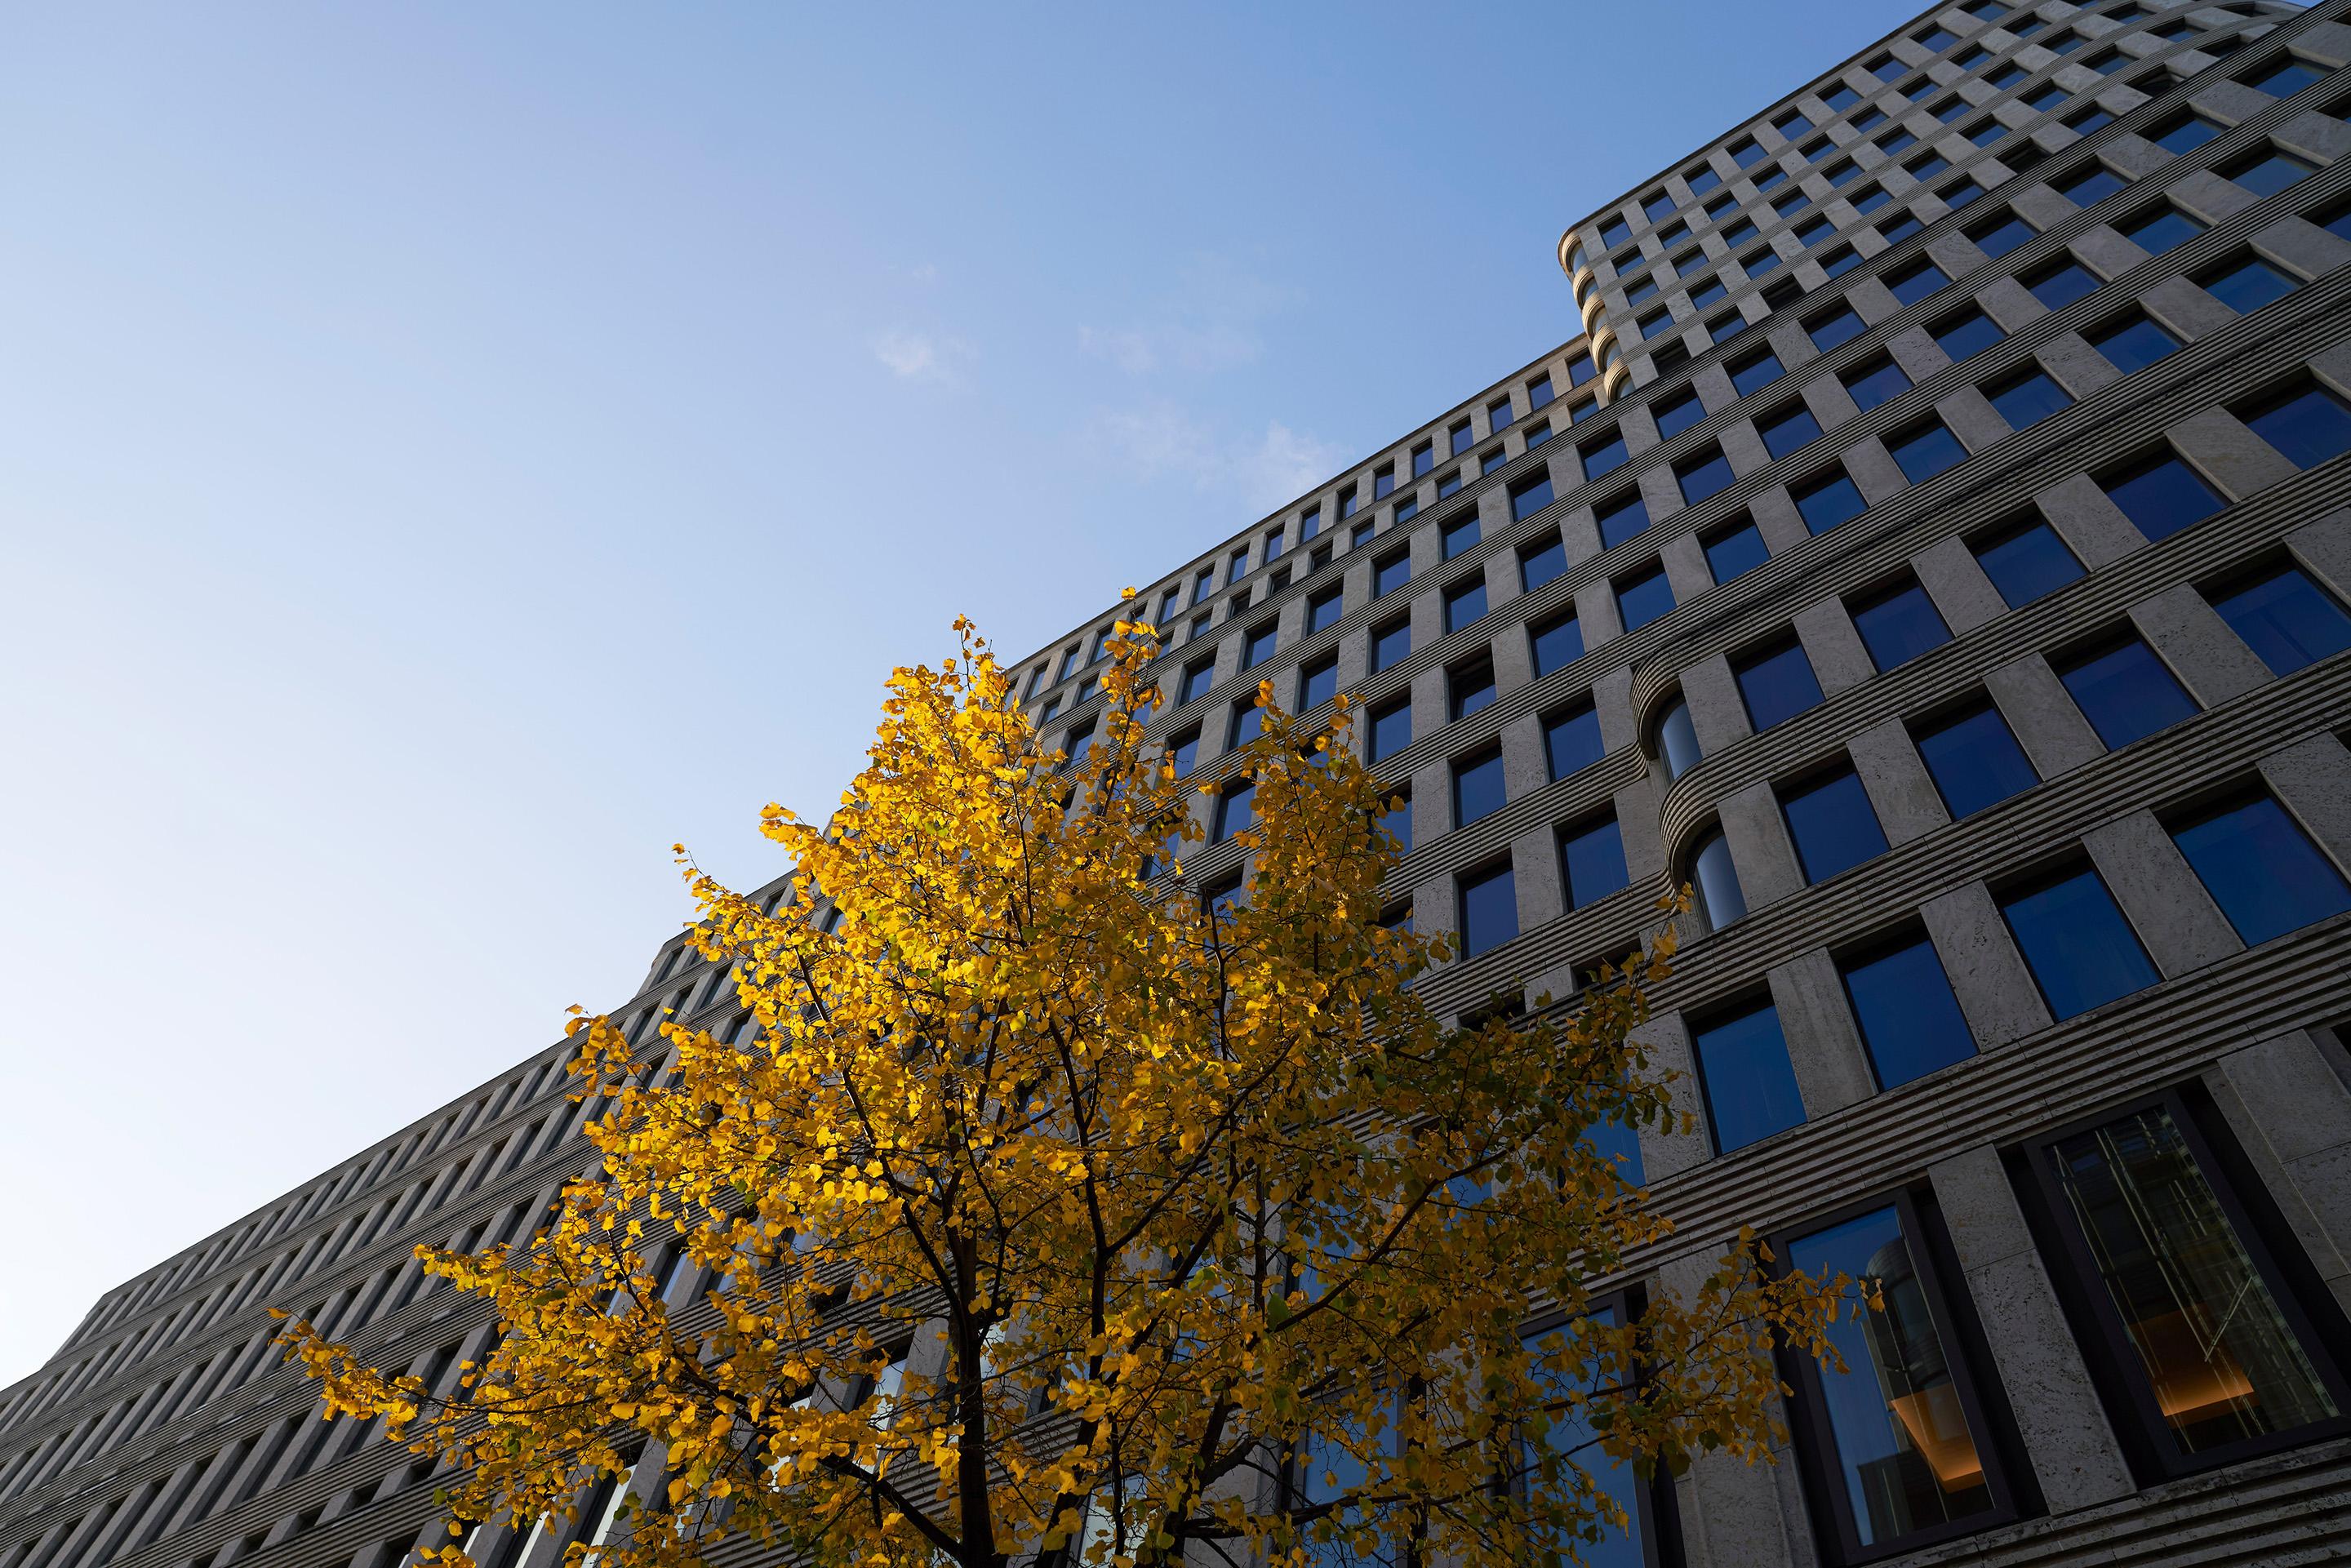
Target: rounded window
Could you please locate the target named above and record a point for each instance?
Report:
(1677, 740)
(1716, 881)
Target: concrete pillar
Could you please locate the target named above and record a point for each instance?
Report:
(2311, 780)
(1995, 990)
(2232, 456)
(1718, 714)
(1838, 657)
(2075, 366)
(2211, 660)
(2041, 713)
(2093, 527)
(1760, 848)
(1900, 790)
(1825, 1048)
(1686, 567)
(1535, 877)
(2067, 1439)
(2182, 928)
(1963, 595)
(2290, 1109)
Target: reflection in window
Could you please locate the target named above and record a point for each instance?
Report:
(1910, 1022)
(1570, 1443)
(1897, 1425)
(1715, 880)
(2286, 619)
(2076, 943)
(1749, 1087)
(2219, 1359)
(1677, 739)
(2265, 875)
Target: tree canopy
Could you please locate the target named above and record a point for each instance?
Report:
(1073, 1198)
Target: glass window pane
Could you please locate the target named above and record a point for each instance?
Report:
(1975, 761)
(2162, 498)
(2134, 345)
(1678, 415)
(1750, 1088)
(1778, 686)
(1643, 599)
(1826, 503)
(1715, 877)
(1832, 825)
(1896, 1423)
(1738, 550)
(1459, 535)
(1909, 1020)
(1900, 626)
(1756, 371)
(2248, 286)
(1788, 430)
(2221, 1361)
(1319, 685)
(2028, 399)
(1489, 911)
(1594, 858)
(1572, 1438)
(2309, 426)
(1677, 739)
(1390, 644)
(2125, 693)
(1391, 730)
(1964, 335)
(1539, 565)
(1624, 517)
(1701, 476)
(1573, 741)
(2286, 619)
(2077, 944)
(2059, 286)
(1236, 810)
(1880, 383)
(1464, 604)
(1477, 788)
(1557, 644)
(2266, 876)
(2027, 563)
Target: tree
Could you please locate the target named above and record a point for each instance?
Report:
(1065, 1203)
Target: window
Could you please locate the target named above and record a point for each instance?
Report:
(1450, 484)
(1770, 179)
(1678, 414)
(1464, 602)
(1477, 786)
(1702, 475)
(1926, 168)
(1614, 233)
(1246, 724)
(2284, 79)
(1762, 259)
(1391, 643)
(1752, 372)
(2265, 875)
(2027, 397)
(1894, 140)
(2286, 618)
(1916, 281)
(2088, 120)
(1318, 683)
(1391, 574)
(1843, 173)
(2134, 342)
(2308, 425)
(1236, 810)
(1197, 679)
(2162, 228)
(1407, 508)
(1391, 729)
(1926, 450)
(1898, 624)
(1458, 534)
(1593, 857)
(1911, 1023)
(1739, 233)
(2208, 1347)
(1643, 598)
(1468, 687)
(2025, 561)
(2245, 283)
(1715, 880)
(1792, 204)
(1835, 327)
(1620, 518)
(1655, 322)
(2059, 283)
(1974, 759)
(2267, 173)
(1869, 198)
(1936, 38)
(1538, 433)
(1489, 910)
(1879, 382)
(2091, 186)
(1897, 1437)
(1748, 1084)
(1581, 369)
(1423, 458)
(1601, 455)
(1491, 460)
(1237, 567)
(2162, 494)
(1986, 132)
(1558, 643)
(1832, 823)
(1707, 293)
(1968, 332)
(1734, 550)
(1361, 534)
(2003, 235)
(1656, 205)
(1840, 98)
(1324, 609)
(1893, 231)
(1259, 645)
(1528, 496)
(1701, 179)
(1776, 684)
(1785, 430)
(1828, 500)
(2125, 692)
(1677, 739)
(1461, 437)
(2081, 951)
(1960, 192)
(1792, 124)
(1572, 740)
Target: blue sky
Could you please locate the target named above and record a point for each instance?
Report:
(448, 454)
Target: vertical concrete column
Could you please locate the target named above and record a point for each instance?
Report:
(1595, 608)
(1760, 847)
(2212, 660)
(1900, 791)
(1718, 713)
(1526, 766)
(1995, 990)
(2217, 442)
(1536, 877)
(1734, 1514)
(1432, 799)
(1686, 567)
(1777, 519)
(1963, 595)
(1636, 826)
(1838, 657)
(2311, 780)
(2049, 728)
(1665, 1152)
(2067, 1439)
(2093, 527)
(2291, 1111)
(1823, 1046)
(1429, 712)
(2160, 893)
(2323, 549)
(2075, 366)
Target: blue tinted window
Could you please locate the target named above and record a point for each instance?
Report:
(1750, 1087)
(1594, 859)
(1910, 1022)
(1841, 326)
(1897, 627)
(1258, 646)
(1704, 476)
(1198, 680)
(1833, 824)
(2025, 563)
(1477, 788)
(1715, 879)
(2284, 79)
(1489, 461)
(2265, 876)
(1678, 415)
(2134, 344)
(2160, 230)
(1489, 910)
(1462, 438)
(1876, 385)
(1759, 262)
(2308, 426)
(1926, 451)
(1391, 574)
(2162, 497)
(1391, 729)
(1459, 535)
(2027, 399)
(1390, 644)
(2091, 186)
(2059, 286)
(1756, 370)
(1677, 739)
(1893, 231)
(1960, 191)
(1916, 281)
(2125, 693)
(1558, 643)
(1868, 200)
(1777, 685)
(1469, 687)
(2080, 949)
(1539, 564)
(1999, 239)
(1974, 760)
(2270, 173)
(1731, 551)
(1530, 496)
(1318, 684)
(1396, 818)
(1643, 598)
(1182, 751)
(2247, 284)
(1236, 810)
(1322, 611)
(2286, 619)
(1824, 503)
(1788, 430)
(1600, 456)
(1423, 458)
(1621, 518)
(1573, 741)
(1967, 333)
(1464, 603)
(1450, 485)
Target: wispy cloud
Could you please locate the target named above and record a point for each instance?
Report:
(920, 357)
(1261, 469)
(1209, 320)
